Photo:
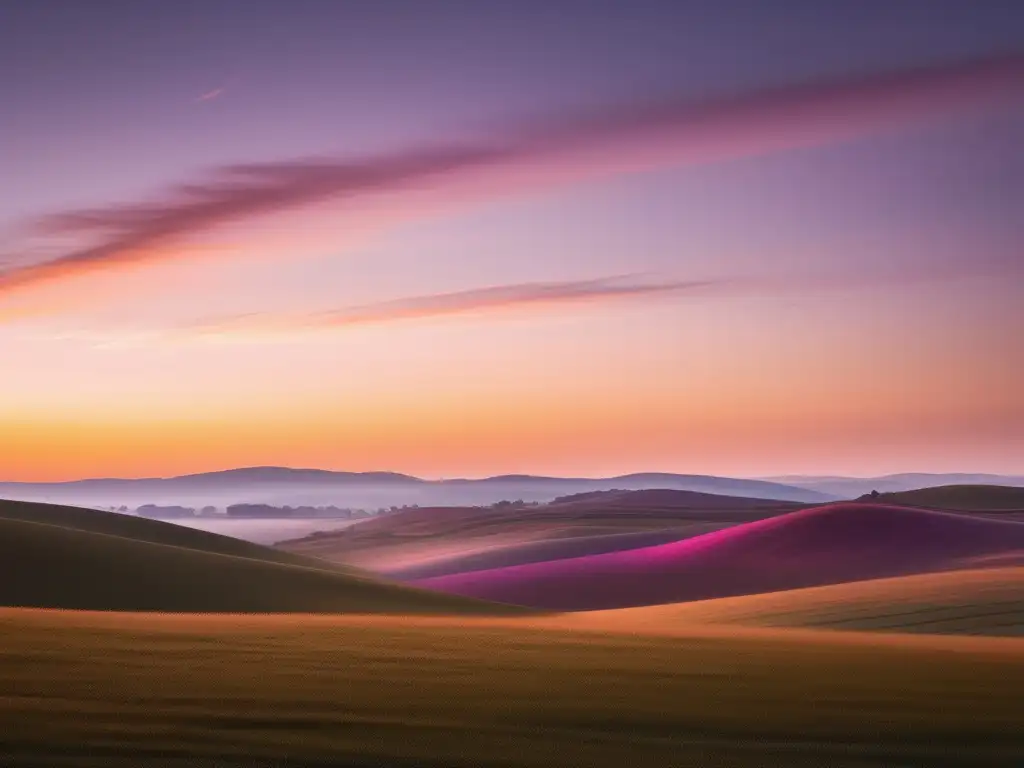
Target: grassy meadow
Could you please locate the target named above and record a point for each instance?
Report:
(107, 688)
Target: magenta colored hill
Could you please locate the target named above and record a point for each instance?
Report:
(546, 549)
(811, 547)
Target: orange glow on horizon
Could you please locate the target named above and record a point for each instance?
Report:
(467, 438)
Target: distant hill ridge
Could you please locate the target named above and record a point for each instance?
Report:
(978, 498)
(852, 487)
(284, 485)
(247, 474)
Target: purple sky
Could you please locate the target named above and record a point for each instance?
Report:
(859, 274)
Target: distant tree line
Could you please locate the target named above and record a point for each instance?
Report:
(171, 511)
(517, 504)
(585, 495)
(263, 511)
(252, 510)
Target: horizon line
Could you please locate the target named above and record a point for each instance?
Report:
(778, 479)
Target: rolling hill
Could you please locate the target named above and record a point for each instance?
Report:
(810, 547)
(535, 488)
(49, 566)
(976, 602)
(852, 487)
(501, 556)
(654, 499)
(427, 536)
(974, 498)
(153, 531)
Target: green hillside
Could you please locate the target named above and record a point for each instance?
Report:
(49, 566)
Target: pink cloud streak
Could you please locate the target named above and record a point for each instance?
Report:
(490, 299)
(629, 137)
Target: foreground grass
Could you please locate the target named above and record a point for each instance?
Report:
(971, 602)
(101, 689)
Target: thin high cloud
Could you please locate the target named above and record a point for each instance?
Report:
(630, 137)
(216, 93)
(542, 295)
(261, 327)
(499, 298)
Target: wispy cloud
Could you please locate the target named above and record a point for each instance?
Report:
(474, 301)
(627, 137)
(284, 326)
(524, 297)
(263, 327)
(211, 95)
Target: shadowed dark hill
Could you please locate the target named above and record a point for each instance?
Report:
(972, 602)
(48, 566)
(420, 537)
(972, 498)
(532, 487)
(671, 499)
(811, 547)
(154, 531)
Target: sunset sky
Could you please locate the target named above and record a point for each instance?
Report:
(464, 237)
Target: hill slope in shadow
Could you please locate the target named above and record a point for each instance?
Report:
(153, 531)
(49, 566)
(811, 547)
(850, 487)
(974, 602)
(973, 498)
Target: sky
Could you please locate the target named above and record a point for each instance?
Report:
(453, 238)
